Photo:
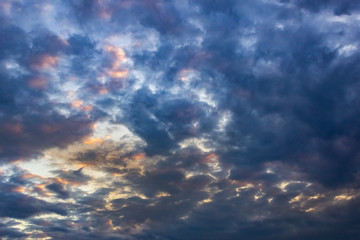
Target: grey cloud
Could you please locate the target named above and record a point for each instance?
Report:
(284, 71)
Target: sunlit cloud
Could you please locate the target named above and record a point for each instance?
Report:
(43, 62)
(92, 140)
(76, 103)
(118, 74)
(343, 197)
(117, 54)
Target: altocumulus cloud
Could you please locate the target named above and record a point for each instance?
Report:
(185, 119)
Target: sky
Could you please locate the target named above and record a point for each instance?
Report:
(180, 119)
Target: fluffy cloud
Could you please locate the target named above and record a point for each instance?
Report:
(179, 120)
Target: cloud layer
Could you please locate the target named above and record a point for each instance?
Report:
(179, 119)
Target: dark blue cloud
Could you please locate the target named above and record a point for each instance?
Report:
(59, 190)
(242, 118)
(7, 230)
(28, 116)
(20, 206)
(339, 8)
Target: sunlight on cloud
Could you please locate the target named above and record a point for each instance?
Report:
(44, 62)
(343, 197)
(201, 143)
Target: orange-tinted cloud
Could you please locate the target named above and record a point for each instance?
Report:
(87, 164)
(15, 128)
(103, 91)
(93, 140)
(19, 189)
(211, 157)
(60, 180)
(138, 156)
(80, 105)
(76, 103)
(43, 61)
(115, 70)
(30, 176)
(38, 82)
(118, 55)
(87, 108)
(184, 74)
(118, 74)
(64, 181)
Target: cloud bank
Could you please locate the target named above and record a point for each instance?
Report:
(179, 119)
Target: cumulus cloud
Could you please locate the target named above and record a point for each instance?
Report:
(179, 119)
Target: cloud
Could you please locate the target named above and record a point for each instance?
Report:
(28, 115)
(179, 120)
(8, 230)
(21, 206)
(339, 8)
(59, 190)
